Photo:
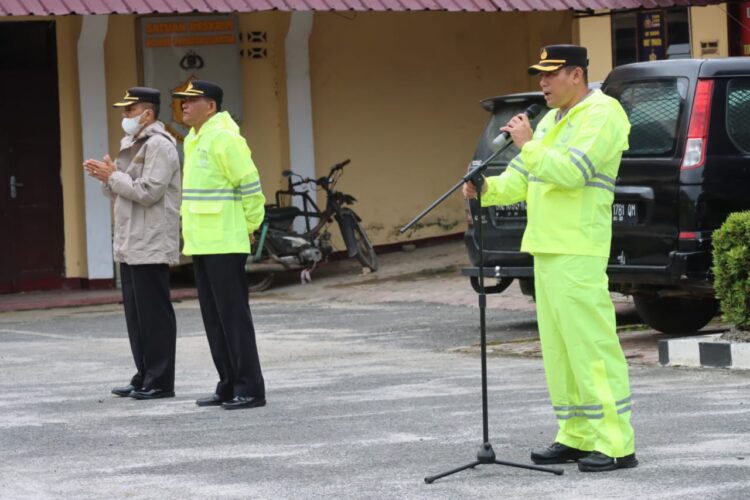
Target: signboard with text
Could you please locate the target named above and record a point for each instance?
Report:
(651, 36)
(178, 49)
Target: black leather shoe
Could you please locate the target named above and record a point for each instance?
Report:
(124, 391)
(557, 453)
(599, 462)
(212, 400)
(151, 394)
(240, 402)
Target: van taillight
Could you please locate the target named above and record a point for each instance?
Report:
(695, 148)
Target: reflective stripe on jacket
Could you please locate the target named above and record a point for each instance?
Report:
(146, 191)
(567, 176)
(222, 201)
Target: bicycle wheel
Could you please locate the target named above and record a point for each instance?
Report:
(365, 251)
(258, 282)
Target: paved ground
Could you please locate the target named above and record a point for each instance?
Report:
(373, 383)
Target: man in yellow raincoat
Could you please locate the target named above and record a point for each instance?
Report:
(222, 204)
(566, 172)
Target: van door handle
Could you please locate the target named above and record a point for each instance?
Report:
(14, 185)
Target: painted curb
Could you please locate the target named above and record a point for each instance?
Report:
(63, 298)
(707, 351)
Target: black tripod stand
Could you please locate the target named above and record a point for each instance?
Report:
(486, 454)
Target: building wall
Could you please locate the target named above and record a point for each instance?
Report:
(396, 92)
(122, 71)
(709, 23)
(474, 57)
(71, 154)
(264, 111)
(595, 33)
(264, 99)
(264, 123)
(264, 114)
(399, 93)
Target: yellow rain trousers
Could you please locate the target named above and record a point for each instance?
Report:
(586, 371)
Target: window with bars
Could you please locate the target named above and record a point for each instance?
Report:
(738, 111)
(654, 108)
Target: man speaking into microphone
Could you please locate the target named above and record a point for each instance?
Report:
(566, 172)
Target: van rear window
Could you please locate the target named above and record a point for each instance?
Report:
(504, 111)
(654, 108)
(738, 113)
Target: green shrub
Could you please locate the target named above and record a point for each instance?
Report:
(731, 256)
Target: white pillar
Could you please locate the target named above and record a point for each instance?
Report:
(92, 86)
(299, 100)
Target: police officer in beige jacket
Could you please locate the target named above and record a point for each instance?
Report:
(144, 182)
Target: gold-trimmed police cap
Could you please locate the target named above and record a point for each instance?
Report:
(139, 94)
(201, 88)
(554, 57)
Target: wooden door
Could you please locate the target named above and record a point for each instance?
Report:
(31, 219)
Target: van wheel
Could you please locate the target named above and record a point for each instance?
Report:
(675, 314)
(527, 287)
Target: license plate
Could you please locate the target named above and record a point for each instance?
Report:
(625, 213)
(516, 210)
(622, 213)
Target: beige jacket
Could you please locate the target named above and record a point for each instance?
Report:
(146, 191)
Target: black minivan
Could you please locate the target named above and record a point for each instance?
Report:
(687, 169)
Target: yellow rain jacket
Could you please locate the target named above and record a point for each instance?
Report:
(567, 176)
(222, 201)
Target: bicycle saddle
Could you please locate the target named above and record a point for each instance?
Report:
(282, 213)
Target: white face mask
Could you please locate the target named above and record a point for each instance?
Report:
(133, 125)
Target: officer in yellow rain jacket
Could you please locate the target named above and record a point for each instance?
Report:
(222, 204)
(566, 172)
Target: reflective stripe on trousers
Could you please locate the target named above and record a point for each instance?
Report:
(586, 371)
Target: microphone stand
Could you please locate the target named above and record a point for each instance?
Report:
(486, 454)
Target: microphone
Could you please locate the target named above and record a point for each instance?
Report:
(532, 112)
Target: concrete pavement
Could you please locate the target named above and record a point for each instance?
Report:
(368, 392)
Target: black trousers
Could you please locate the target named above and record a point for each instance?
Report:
(223, 297)
(152, 327)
